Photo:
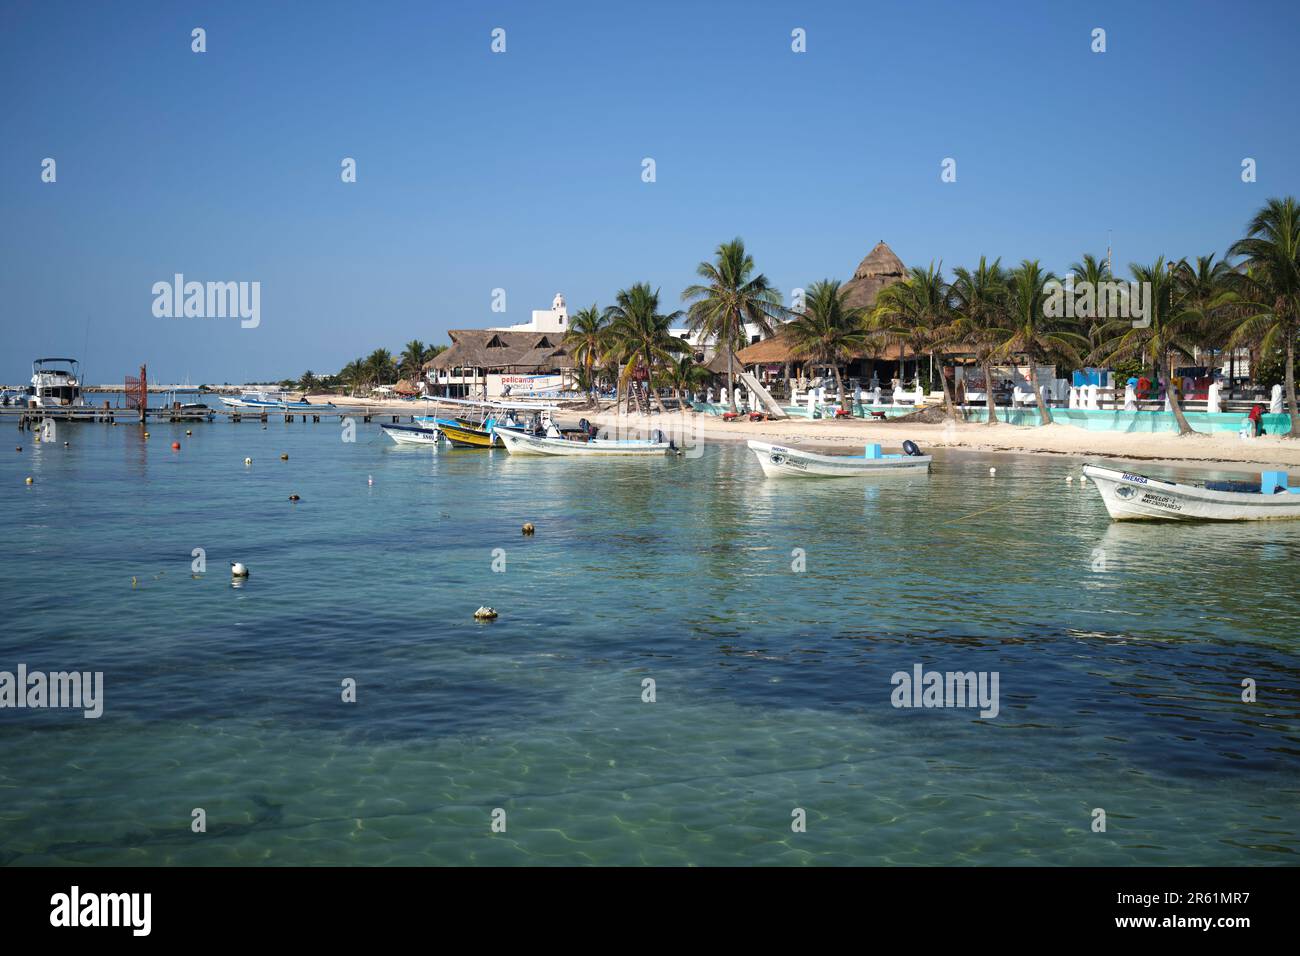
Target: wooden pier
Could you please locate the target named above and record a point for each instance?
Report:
(28, 419)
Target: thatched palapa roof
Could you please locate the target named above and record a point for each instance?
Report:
(879, 269)
(511, 351)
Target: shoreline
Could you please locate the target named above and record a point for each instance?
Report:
(1222, 448)
(1225, 449)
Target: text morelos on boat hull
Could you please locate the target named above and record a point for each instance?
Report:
(521, 443)
(1133, 497)
(781, 461)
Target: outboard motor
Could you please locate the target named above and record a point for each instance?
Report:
(909, 448)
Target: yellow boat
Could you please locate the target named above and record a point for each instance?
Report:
(464, 435)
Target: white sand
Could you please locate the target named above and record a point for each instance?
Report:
(1223, 447)
(1055, 439)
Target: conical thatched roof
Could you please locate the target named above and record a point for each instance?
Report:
(879, 269)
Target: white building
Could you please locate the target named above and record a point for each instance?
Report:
(554, 319)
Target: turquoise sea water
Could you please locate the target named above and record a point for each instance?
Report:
(1120, 650)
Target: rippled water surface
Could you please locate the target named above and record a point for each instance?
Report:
(1120, 650)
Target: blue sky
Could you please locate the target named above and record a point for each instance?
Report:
(522, 170)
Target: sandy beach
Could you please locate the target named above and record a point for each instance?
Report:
(1224, 448)
(1055, 439)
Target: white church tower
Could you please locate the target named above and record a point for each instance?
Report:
(554, 319)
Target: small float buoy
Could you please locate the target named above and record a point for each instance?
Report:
(132, 581)
(993, 471)
(294, 498)
(248, 461)
(188, 432)
(1069, 479)
(146, 434)
(67, 444)
(1083, 479)
(284, 457)
(237, 570)
(29, 480)
(18, 448)
(370, 479)
(485, 614)
(528, 528)
(176, 446)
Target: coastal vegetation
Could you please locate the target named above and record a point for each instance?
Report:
(987, 315)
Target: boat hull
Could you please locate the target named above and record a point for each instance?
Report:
(1131, 497)
(411, 434)
(521, 443)
(780, 461)
(463, 436)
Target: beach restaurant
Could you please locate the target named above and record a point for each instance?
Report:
(490, 363)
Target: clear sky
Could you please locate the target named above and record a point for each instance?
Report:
(523, 170)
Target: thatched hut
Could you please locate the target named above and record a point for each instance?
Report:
(772, 357)
(492, 359)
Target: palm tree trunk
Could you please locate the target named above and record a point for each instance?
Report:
(1290, 388)
(839, 383)
(1171, 390)
(731, 377)
(947, 393)
(1044, 416)
(988, 395)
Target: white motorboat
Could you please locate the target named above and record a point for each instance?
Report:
(54, 387)
(781, 461)
(1133, 497)
(412, 434)
(555, 442)
(269, 401)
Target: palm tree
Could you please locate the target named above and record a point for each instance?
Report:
(586, 341)
(828, 331)
(979, 302)
(353, 374)
(1170, 329)
(1269, 288)
(308, 382)
(730, 297)
(1035, 334)
(639, 333)
(1093, 271)
(411, 364)
(684, 374)
(379, 366)
(917, 314)
(1203, 289)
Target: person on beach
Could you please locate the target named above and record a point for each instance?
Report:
(1257, 419)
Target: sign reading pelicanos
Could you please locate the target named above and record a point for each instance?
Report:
(532, 382)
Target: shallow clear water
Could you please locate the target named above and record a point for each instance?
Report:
(1119, 688)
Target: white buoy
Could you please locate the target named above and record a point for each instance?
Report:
(238, 570)
(370, 479)
(248, 461)
(993, 471)
(485, 614)
(1069, 479)
(1083, 479)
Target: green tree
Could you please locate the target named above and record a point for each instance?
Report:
(828, 331)
(587, 340)
(980, 307)
(729, 297)
(1168, 330)
(1268, 290)
(1035, 334)
(639, 334)
(917, 314)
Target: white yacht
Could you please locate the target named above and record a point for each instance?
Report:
(54, 386)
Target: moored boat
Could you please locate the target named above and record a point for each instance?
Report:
(53, 386)
(411, 434)
(1134, 497)
(555, 443)
(781, 461)
(462, 434)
